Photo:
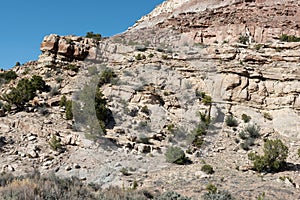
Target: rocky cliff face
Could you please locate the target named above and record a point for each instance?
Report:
(166, 66)
(218, 21)
(64, 49)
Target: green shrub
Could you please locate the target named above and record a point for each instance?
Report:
(151, 55)
(93, 35)
(6, 107)
(55, 143)
(299, 153)
(171, 195)
(204, 118)
(246, 118)
(140, 57)
(258, 46)
(208, 169)
(37, 186)
(289, 38)
(253, 131)
(146, 110)
(274, 158)
(219, 195)
(135, 185)
(24, 91)
(26, 71)
(247, 143)
(195, 140)
(69, 112)
(243, 39)
(63, 101)
(243, 135)
(249, 134)
(8, 76)
(231, 121)
(73, 68)
(245, 146)
(59, 79)
(250, 131)
(261, 196)
(206, 99)
(211, 188)
(38, 83)
(171, 128)
(100, 106)
(268, 116)
(106, 76)
(175, 155)
(202, 94)
(164, 57)
(140, 48)
(125, 171)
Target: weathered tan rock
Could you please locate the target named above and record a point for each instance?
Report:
(92, 53)
(7, 168)
(286, 122)
(143, 148)
(231, 81)
(54, 101)
(4, 127)
(65, 47)
(50, 43)
(59, 49)
(71, 140)
(280, 101)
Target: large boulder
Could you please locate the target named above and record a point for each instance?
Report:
(50, 43)
(65, 47)
(58, 49)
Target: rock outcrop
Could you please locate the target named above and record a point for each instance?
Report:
(63, 49)
(166, 68)
(218, 21)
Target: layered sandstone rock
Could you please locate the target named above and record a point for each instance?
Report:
(57, 49)
(219, 21)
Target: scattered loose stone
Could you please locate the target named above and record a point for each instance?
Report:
(77, 166)
(68, 168)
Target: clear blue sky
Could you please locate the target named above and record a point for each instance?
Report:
(25, 23)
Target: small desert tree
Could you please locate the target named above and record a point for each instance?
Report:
(93, 35)
(69, 107)
(25, 91)
(274, 158)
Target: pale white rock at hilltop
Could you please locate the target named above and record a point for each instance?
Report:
(174, 7)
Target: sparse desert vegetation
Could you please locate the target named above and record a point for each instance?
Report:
(159, 112)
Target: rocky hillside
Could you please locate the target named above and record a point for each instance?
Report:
(195, 75)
